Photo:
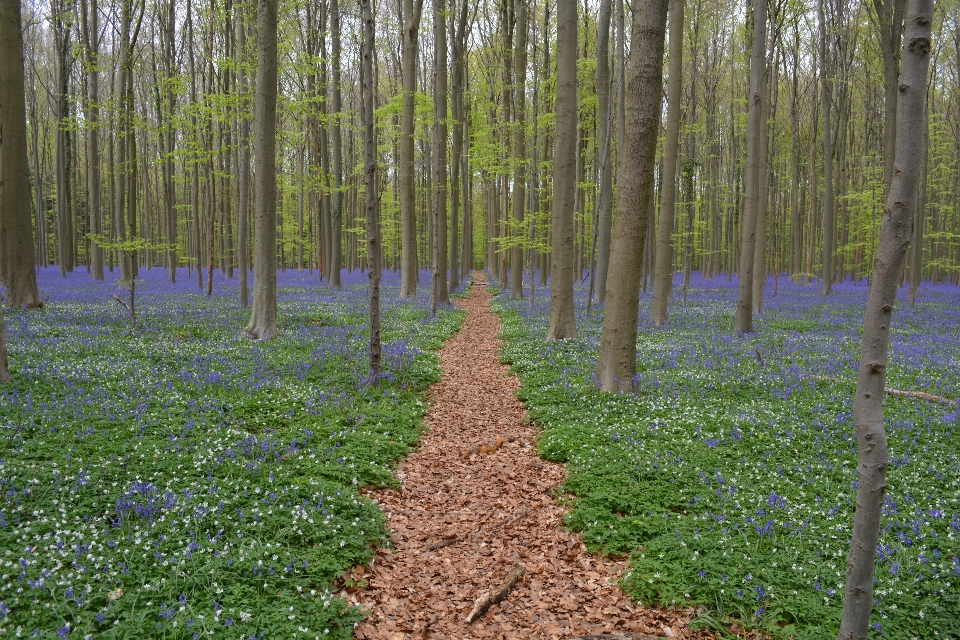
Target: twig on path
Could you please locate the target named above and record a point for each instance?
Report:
(446, 542)
(498, 594)
(617, 636)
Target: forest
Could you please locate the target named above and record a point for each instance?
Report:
(496, 319)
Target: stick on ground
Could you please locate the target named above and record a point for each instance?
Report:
(498, 594)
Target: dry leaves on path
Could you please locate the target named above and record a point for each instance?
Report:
(475, 503)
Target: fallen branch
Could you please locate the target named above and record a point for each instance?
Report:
(444, 543)
(493, 596)
(922, 395)
(125, 305)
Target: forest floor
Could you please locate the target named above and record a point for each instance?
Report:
(475, 502)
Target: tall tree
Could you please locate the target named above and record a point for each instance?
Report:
(16, 227)
(336, 212)
(440, 293)
(605, 170)
(562, 322)
(887, 18)
(4, 372)
(895, 232)
(370, 186)
(243, 183)
(412, 10)
(519, 148)
(263, 315)
(663, 271)
(752, 187)
(826, 110)
(617, 361)
(90, 21)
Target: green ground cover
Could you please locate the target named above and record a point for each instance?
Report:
(187, 482)
(728, 477)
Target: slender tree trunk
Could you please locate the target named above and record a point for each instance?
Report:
(336, 211)
(562, 322)
(605, 205)
(796, 235)
(91, 37)
(663, 271)
(440, 291)
(826, 97)
(370, 185)
(412, 10)
(888, 20)
(760, 246)
(617, 361)
(519, 148)
(895, 232)
(4, 369)
(62, 46)
(17, 258)
(751, 204)
(263, 316)
(243, 179)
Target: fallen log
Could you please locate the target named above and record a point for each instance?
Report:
(921, 395)
(495, 595)
(444, 543)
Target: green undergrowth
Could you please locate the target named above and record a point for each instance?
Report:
(728, 477)
(185, 481)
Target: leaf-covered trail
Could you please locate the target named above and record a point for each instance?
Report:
(461, 523)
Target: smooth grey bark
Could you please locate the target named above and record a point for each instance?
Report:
(90, 22)
(263, 315)
(796, 239)
(458, 192)
(412, 10)
(440, 98)
(617, 360)
(605, 195)
(370, 186)
(243, 179)
(895, 232)
(888, 20)
(336, 208)
(562, 322)
(751, 201)
(16, 226)
(826, 98)
(519, 148)
(663, 269)
(4, 369)
(763, 179)
(62, 46)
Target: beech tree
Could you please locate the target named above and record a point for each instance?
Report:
(16, 230)
(263, 315)
(412, 10)
(617, 361)
(370, 185)
(562, 322)
(4, 373)
(895, 233)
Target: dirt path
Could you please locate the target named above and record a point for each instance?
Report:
(500, 504)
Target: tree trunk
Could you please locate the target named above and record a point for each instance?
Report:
(519, 149)
(370, 186)
(336, 209)
(263, 316)
(888, 20)
(562, 323)
(4, 372)
(663, 271)
(17, 270)
(617, 361)
(91, 36)
(895, 232)
(440, 292)
(752, 187)
(826, 98)
(412, 10)
(605, 205)
(243, 181)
